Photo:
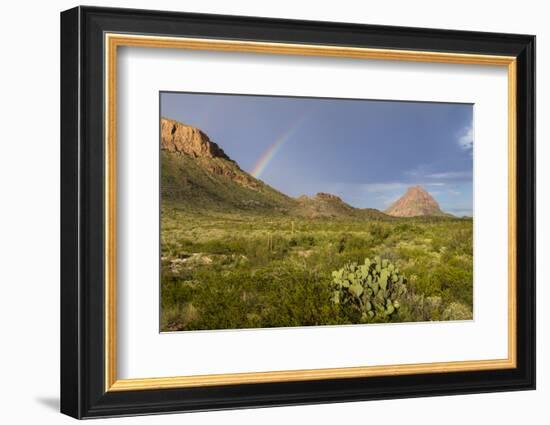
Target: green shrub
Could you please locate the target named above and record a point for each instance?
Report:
(373, 288)
(419, 308)
(457, 311)
(176, 318)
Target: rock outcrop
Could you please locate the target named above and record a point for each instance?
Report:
(329, 197)
(414, 203)
(181, 138)
(323, 205)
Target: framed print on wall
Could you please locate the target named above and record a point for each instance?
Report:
(261, 212)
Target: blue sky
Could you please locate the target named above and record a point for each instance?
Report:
(365, 151)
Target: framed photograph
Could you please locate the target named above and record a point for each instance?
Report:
(261, 212)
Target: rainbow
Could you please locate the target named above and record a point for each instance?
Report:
(271, 151)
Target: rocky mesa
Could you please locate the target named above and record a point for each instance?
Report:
(177, 137)
(197, 171)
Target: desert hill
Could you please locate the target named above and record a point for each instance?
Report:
(196, 170)
(323, 205)
(415, 202)
(196, 173)
(328, 205)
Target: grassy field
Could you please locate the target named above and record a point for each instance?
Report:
(248, 270)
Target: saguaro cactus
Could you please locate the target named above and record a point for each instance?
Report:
(373, 288)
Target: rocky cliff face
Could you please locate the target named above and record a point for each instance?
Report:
(415, 202)
(180, 138)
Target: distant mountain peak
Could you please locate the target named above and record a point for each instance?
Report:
(415, 202)
(182, 138)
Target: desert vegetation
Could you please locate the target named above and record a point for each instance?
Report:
(223, 270)
(237, 253)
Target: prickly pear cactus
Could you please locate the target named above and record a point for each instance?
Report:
(373, 288)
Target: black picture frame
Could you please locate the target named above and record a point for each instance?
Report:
(83, 392)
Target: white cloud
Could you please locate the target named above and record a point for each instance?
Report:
(396, 186)
(423, 173)
(385, 200)
(466, 138)
(451, 175)
(460, 211)
(384, 187)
